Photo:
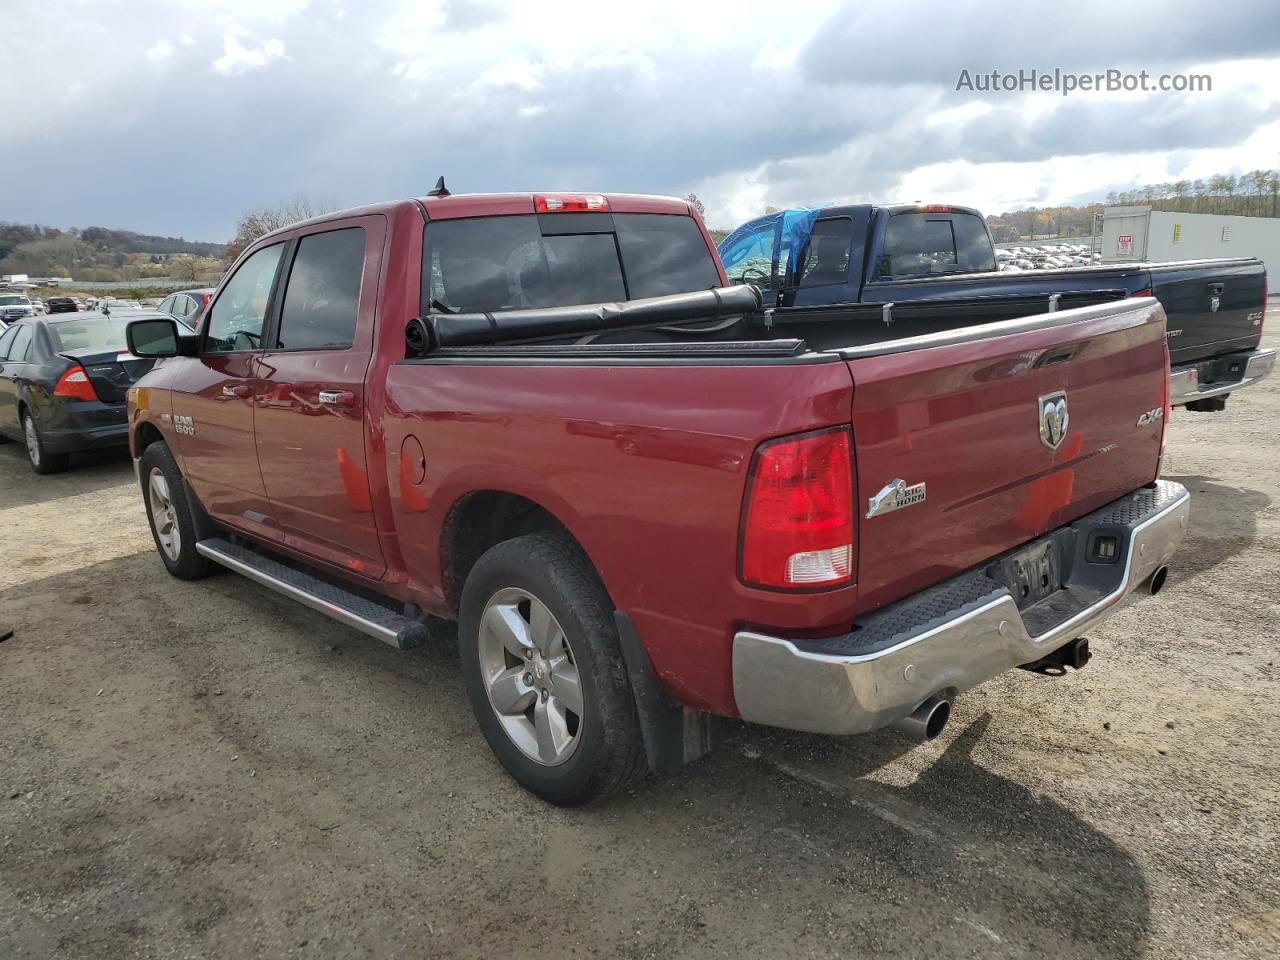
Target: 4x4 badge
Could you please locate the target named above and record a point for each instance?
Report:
(895, 495)
(1053, 419)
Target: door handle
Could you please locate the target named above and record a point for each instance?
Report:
(238, 390)
(337, 398)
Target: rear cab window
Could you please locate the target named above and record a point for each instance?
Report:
(925, 244)
(522, 261)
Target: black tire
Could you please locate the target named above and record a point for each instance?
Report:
(609, 754)
(187, 564)
(41, 461)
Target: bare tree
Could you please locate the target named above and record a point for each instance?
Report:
(185, 267)
(693, 201)
(263, 220)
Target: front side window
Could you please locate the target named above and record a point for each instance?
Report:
(323, 294)
(236, 319)
(749, 258)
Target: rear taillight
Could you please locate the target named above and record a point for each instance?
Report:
(1144, 292)
(797, 522)
(566, 202)
(75, 385)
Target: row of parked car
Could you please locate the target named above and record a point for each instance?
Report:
(1049, 257)
(65, 367)
(14, 306)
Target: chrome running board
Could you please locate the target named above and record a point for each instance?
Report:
(367, 616)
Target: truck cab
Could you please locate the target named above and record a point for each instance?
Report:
(882, 272)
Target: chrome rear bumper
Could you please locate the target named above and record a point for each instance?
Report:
(956, 635)
(1212, 378)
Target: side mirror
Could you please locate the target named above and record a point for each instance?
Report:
(156, 338)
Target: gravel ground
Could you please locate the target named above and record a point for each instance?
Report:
(202, 770)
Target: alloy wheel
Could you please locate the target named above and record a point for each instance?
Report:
(531, 676)
(164, 518)
(33, 440)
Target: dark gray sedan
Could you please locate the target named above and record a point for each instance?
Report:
(63, 380)
(187, 306)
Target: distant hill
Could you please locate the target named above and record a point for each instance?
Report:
(99, 253)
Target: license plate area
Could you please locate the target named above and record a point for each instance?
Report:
(1037, 571)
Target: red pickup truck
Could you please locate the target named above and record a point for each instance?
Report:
(550, 419)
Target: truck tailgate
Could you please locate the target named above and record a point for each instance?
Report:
(957, 459)
(1213, 307)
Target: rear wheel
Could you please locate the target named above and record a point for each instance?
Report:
(41, 461)
(170, 513)
(544, 671)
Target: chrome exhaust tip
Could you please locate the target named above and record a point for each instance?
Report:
(1155, 583)
(927, 720)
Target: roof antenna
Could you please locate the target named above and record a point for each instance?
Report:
(440, 190)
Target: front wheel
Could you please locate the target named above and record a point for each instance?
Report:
(544, 671)
(169, 511)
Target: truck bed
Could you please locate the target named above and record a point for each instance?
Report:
(642, 450)
(1197, 329)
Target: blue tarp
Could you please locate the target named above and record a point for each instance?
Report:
(789, 228)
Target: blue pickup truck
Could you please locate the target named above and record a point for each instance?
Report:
(889, 272)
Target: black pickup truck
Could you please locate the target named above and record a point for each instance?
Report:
(889, 272)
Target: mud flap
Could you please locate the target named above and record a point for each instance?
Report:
(673, 734)
(204, 525)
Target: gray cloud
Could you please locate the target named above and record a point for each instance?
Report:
(1081, 126)
(466, 15)
(876, 159)
(170, 146)
(917, 42)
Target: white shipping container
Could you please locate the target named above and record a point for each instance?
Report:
(1134, 234)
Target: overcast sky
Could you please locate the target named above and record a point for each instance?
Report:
(174, 117)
